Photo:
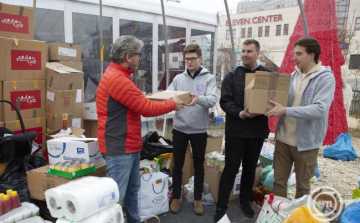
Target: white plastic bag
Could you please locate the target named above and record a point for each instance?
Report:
(152, 197)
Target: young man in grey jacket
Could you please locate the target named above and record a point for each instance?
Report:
(191, 122)
(303, 123)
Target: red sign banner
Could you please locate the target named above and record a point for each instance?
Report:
(28, 99)
(14, 23)
(25, 60)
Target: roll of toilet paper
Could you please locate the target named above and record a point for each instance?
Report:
(92, 198)
(113, 214)
(54, 195)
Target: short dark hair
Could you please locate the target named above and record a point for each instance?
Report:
(311, 45)
(252, 41)
(193, 48)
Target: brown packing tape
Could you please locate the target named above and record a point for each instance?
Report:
(70, 86)
(0, 6)
(21, 12)
(34, 113)
(274, 78)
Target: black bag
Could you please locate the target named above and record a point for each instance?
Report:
(14, 146)
(152, 148)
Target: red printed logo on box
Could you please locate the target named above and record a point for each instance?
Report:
(25, 60)
(28, 99)
(14, 23)
(39, 130)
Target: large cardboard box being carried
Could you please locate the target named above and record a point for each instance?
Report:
(39, 181)
(22, 59)
(16, 22)
(64, 51)
(74, 149)
(60, 101)
(214, 143)
(264, 86)
(185, 96)
(60, 77)
(28, 96)
(34, 124)
(212, 178)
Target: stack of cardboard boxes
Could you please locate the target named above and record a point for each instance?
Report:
(64, 87)
(23, 65)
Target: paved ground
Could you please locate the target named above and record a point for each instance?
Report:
(187, 215)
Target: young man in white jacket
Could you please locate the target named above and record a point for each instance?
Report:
(303, 123)
(190, 123)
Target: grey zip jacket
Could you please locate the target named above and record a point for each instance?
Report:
(312, 114)
(194, 119)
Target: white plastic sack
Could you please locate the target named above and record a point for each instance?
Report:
(285, 213)
(152, 198)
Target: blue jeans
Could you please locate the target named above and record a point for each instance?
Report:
(124, 169)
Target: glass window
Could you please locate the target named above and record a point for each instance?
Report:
(49, 25)
(260, 31)
(86, 32)
(267, 30)
(205, 40)
(286, 30)
(228, 34)
(357, 23)
(249, 34)
(142, 30)
(243, 32)
(278, 30)
(177, 40)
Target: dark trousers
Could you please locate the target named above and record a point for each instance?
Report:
(239, 150)
(198, 145)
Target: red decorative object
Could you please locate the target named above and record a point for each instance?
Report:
(322, 25)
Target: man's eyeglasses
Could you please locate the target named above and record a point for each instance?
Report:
(139, 54)
(190, 59)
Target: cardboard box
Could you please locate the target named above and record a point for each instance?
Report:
(91, 128)
(60, 77)
(64, 51)
(212, 177)
(34, 124)
(60, 101)
(28, 96)
(22, 59)
(90, 111)
(39, 181)
(58, 122)
(2, 124)
(185, 96)
(76, 149)
(78, 120)
(72, 64)
(264, 86)
(79, 102)
(214, 143)
(16, 22)
(1, 104)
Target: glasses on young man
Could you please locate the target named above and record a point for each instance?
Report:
(190, 59)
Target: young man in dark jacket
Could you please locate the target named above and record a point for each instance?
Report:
(244, 132)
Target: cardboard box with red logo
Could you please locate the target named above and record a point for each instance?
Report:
(33, 124)
(28, 96)
(61, 77)
(16, 21)
(54, 123)
(64, 51)
(60, 101)
(22, 59)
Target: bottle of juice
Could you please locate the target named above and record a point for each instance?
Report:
(1, 206)
(15, 201)
(8, 192)
(6, 204)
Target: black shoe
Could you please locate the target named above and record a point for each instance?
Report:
(248, 211)
(220, 212)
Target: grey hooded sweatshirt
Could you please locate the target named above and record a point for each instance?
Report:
(194, 119)
(312, 114)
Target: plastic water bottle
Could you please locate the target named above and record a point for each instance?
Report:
(6, 204)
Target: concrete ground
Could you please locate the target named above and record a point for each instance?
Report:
(187, 215)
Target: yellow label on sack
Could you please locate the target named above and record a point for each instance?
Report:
(102, 52)
(16, 42)
(159, 181)
(17, 123)
(36, 84)
(14, 85)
